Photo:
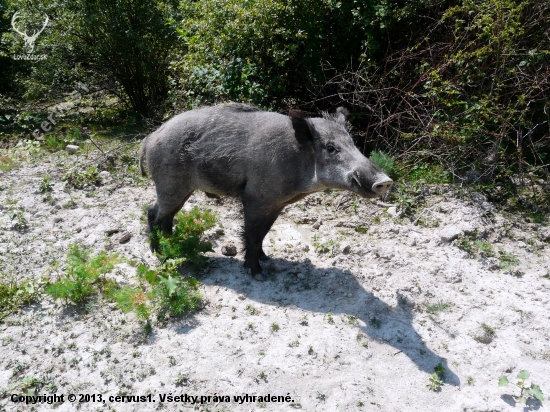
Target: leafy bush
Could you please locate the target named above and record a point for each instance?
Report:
(463, 90)
(84, 275)
(122, 46)
(267, 51)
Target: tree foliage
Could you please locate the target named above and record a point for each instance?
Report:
(462, 83)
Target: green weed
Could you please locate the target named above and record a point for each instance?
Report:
(79, 179)
(361, 229)
(428, 173)
(323, 247)
(438, 307)
(437, 379)
(251, 310)
(171, 294)
(6, 163)
(15, 295)
(375, 322)
(185, 243)
(507, 260)
(84, 275)
(18, 219)
(532, 391)
(486, 335)
(46, 185)
(352, 320)
(384, 161)
(474, 247)
(54, 143)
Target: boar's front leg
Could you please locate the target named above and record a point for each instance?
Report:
(258, 219)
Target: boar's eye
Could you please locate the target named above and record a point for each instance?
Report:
(331, 149)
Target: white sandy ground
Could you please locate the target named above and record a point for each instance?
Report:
(377, 355)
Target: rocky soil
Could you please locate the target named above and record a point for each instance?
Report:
(366, 303)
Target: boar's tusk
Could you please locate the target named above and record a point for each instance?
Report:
(356, 180)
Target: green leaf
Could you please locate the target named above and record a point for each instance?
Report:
(171, 284)
(522, 399)
(151, 277)
(523, 374)
(503, 381)
(536, 392)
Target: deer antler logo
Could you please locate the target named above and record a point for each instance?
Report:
(29, 40)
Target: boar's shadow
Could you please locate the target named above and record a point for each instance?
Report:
(303, 285)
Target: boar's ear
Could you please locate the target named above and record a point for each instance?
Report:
(342, 115)
(301, 126)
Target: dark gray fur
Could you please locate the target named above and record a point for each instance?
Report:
(266, 159)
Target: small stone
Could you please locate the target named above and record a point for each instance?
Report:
(394, 212)
(450, 233)
(110, 232)
(57, 219)
(453, 276)
(492, 263)
(317, 224)
(346, 249)
(72, 148)
(522, 245)
(545, 234)
(229, 249)
(105, 177)
(125, 237)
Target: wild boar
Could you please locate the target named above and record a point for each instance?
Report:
(268, 160)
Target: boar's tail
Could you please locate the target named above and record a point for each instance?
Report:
(143, 157)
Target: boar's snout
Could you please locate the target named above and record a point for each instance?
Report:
(368, 186)
(382, 184)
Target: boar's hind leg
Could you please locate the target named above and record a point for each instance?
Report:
(162, 213)
(256, 225)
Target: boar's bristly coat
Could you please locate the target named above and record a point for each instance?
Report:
(268, 160)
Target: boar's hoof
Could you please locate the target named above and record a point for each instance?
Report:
(259, 276)
(154, 246)
(263, 257)
(255, 273)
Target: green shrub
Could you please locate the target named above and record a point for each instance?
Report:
(162, 290)
(84, 275)
(54, 142)
(185, 243)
